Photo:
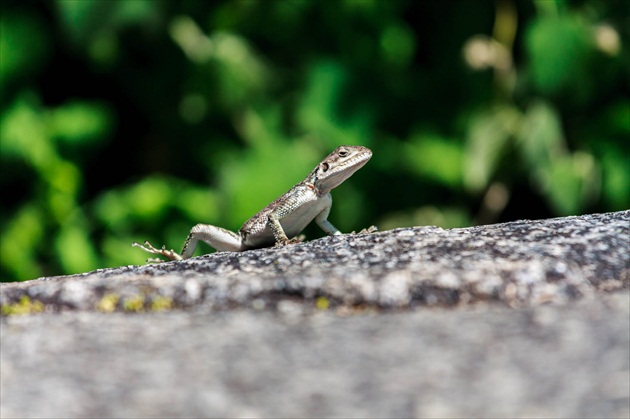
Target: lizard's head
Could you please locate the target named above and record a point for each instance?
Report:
(339, 166)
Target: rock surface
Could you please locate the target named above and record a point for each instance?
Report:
(530, 318)
(518, 263)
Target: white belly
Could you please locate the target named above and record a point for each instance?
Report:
(293, 223)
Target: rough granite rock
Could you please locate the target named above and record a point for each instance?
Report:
(518, 263)
(523, 319)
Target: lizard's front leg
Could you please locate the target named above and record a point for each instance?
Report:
(331, 230)
(278, 232)
(217, 237)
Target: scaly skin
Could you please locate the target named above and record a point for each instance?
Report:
(280, 222)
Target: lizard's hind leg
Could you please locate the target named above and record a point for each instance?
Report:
(148, 247)
(219, 238)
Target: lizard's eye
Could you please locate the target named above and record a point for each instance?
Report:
(325, 167)
(343, 153)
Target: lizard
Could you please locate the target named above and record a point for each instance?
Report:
(282, 220)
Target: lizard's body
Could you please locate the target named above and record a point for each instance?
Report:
(283, 219)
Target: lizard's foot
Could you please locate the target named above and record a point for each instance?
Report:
(370, 229)
(294, 240)
(148, 247)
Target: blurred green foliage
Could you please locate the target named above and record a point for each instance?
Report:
(129, 120)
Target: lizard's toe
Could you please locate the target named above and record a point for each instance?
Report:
(286, 242)
(370, 229)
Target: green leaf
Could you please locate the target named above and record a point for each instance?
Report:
(20, 238)
(616, 180)
(398, 44)
(489, 135)
(75, 249)
(540, 137)
(319, 111)
(85, 20)
(24, 133)
(436, 158)
(558, 51)
(79, 122)
(23, 46)
(571, 182)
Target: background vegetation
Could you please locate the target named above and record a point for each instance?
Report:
(129, 120)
